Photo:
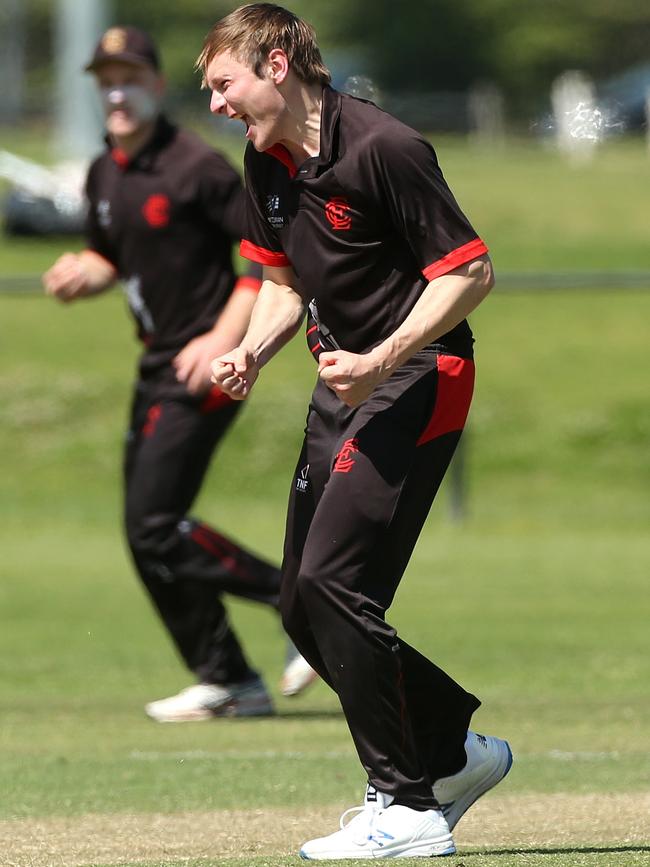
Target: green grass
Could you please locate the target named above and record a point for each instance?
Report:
(619, 856)
(537, 600)
(538, 212)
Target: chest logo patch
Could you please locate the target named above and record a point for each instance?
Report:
(337, 211)
(156, 211)
(274, 216)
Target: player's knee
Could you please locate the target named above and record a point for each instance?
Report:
(324, 589)
(150, 535)
(316, 588)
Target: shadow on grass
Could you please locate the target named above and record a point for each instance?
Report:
(335, 713)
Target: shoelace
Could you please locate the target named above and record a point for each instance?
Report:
(363, 829)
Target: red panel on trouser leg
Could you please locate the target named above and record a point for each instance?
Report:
(222, 549)
(455, 388)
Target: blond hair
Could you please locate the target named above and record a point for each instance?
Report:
(251, 32)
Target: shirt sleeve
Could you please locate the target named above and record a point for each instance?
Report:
(96, 237)
(222, 196)
(260, 242)
(408, 186)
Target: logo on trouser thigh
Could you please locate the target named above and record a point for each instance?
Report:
(344, 461)
(153, 417)
(302, 482)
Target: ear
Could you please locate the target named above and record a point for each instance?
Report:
(277, 65)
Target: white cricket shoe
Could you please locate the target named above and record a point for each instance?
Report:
(384, 830)
(208, 700)
(488, 761)
(298, 674)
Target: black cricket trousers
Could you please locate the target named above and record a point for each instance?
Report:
(363, 487)
(184, 564)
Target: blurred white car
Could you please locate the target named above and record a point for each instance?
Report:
(41, 200)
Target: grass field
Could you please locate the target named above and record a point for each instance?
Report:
(537, 601)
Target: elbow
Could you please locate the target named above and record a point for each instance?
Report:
(490, 279)
(480, 277)
(486, 278)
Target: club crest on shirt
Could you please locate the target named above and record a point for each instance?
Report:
(337, 211)
(156, 210)
(274, 216)
(345, 459)
(104, 213)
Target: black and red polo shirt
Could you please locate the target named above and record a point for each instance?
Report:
(366, 224)
(167, 220)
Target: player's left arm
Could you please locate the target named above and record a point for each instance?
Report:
(444, 303)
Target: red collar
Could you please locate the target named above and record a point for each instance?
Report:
(120, 157)
(282, 154)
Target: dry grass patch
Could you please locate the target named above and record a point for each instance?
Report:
(517, 821)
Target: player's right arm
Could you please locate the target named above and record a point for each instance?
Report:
(276, 317)
(78, 275)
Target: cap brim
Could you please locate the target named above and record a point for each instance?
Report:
(131, 59)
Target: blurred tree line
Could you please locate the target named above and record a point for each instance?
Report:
(521, 45)
(411, 45)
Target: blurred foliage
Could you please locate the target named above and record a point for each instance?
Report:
(449, 44)
(416, 45)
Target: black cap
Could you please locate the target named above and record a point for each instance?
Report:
(128, 45)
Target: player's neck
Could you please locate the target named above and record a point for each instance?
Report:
(303, 121)
(134, 143)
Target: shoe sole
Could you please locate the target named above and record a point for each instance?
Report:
(424, 849)
(455, 811)
(238, 709)
(187, 716)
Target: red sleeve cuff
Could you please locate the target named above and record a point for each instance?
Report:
(457, 257)
(247, 282)
(263, 256)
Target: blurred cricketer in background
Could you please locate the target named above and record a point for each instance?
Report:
(351, 218)
(164, 211)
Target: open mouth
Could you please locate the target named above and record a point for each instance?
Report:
(244, 119)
